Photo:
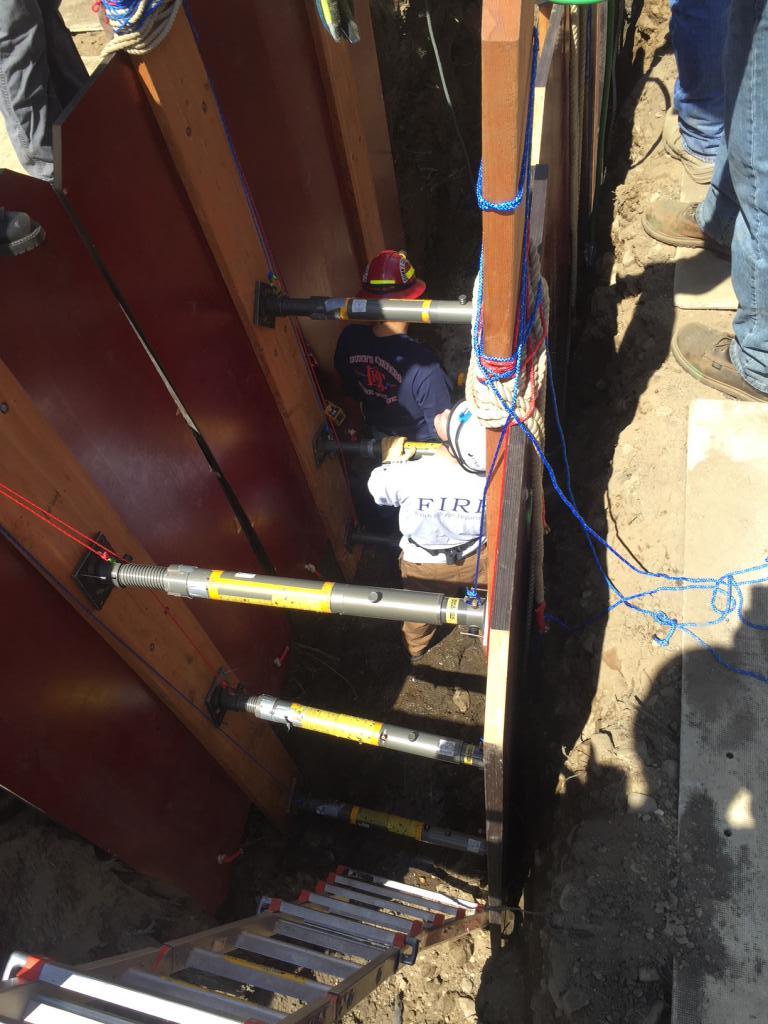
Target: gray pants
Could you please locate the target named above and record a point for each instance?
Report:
(40, 74)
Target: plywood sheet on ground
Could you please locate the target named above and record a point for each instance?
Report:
(723, 832)
(702, 279)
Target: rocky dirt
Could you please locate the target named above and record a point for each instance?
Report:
(604, 913)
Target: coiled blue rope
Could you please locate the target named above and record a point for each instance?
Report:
(121, 13)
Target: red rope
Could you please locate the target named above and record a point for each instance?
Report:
(60, 525)
(78, 537)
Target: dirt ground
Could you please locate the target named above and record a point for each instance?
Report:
(599, 726)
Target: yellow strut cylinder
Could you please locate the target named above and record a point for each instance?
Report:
(367, 818)
(343, 727)
(244, 588)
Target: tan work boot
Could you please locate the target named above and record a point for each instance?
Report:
(698, 169)
(672, 221)
(704, 353)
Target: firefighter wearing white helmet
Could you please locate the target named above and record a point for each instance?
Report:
(440, 502)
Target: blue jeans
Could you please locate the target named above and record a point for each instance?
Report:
(40, 74)
(735, 209)
(698, 29)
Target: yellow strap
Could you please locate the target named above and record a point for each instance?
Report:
(425, 311)
(452, 610)
(471, 753)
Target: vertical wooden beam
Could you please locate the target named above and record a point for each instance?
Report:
(341, 88)
(506, 61)
(159, 639)
(506, 55)
(184, 104)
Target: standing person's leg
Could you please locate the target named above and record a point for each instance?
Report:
(708, 225)
(24, 77)
(698, 30)
(747, 91)
(739, 193)
(68, 74)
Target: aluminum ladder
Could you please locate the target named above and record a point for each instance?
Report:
(306, 962)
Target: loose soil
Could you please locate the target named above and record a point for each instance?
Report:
(600, 716)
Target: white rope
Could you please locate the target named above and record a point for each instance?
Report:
(491, 410)
(141, 38)
(532, 390)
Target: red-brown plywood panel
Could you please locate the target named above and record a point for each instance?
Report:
(145, 231)
(262, 63)
(91, 746)
(67, 342)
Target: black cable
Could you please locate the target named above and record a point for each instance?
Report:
(447, 95)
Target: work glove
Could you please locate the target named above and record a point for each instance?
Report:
(338, 17)
(393, 450)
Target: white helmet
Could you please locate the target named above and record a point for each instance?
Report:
(466, 438)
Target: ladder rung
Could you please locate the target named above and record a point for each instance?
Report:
(65, 1009)
(430, 917)
(231, 1007)
(330, 922)
(287, 953)
(245, 972)
(324, 939)
(127, 998)
(356, 913)
(412, 890)
(436, 904)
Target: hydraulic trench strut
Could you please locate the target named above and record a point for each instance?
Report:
(326, 598)
(270, 303)
(222, 698)
(302, 595)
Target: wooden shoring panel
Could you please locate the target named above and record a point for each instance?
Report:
(158, 637)
(263, 65)
(118, 768)
(83, 367)
(555, 125)
(506, 62)
(503, 661)
(181, 98)
(341, 89)
(365, 66)
(153, 248)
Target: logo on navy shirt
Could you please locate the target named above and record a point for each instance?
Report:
(376, 377)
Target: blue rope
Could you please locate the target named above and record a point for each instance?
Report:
(120, 13)
(726, 591)
(510, 205)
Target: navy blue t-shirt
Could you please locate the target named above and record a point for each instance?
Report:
(400, 383)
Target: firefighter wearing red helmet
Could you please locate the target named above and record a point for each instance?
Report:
(399, 382)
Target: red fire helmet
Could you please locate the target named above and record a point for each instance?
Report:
(390, 275)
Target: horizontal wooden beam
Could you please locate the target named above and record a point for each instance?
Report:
(184, 103)
(160, 639)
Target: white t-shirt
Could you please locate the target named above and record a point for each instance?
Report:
(440, 505)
